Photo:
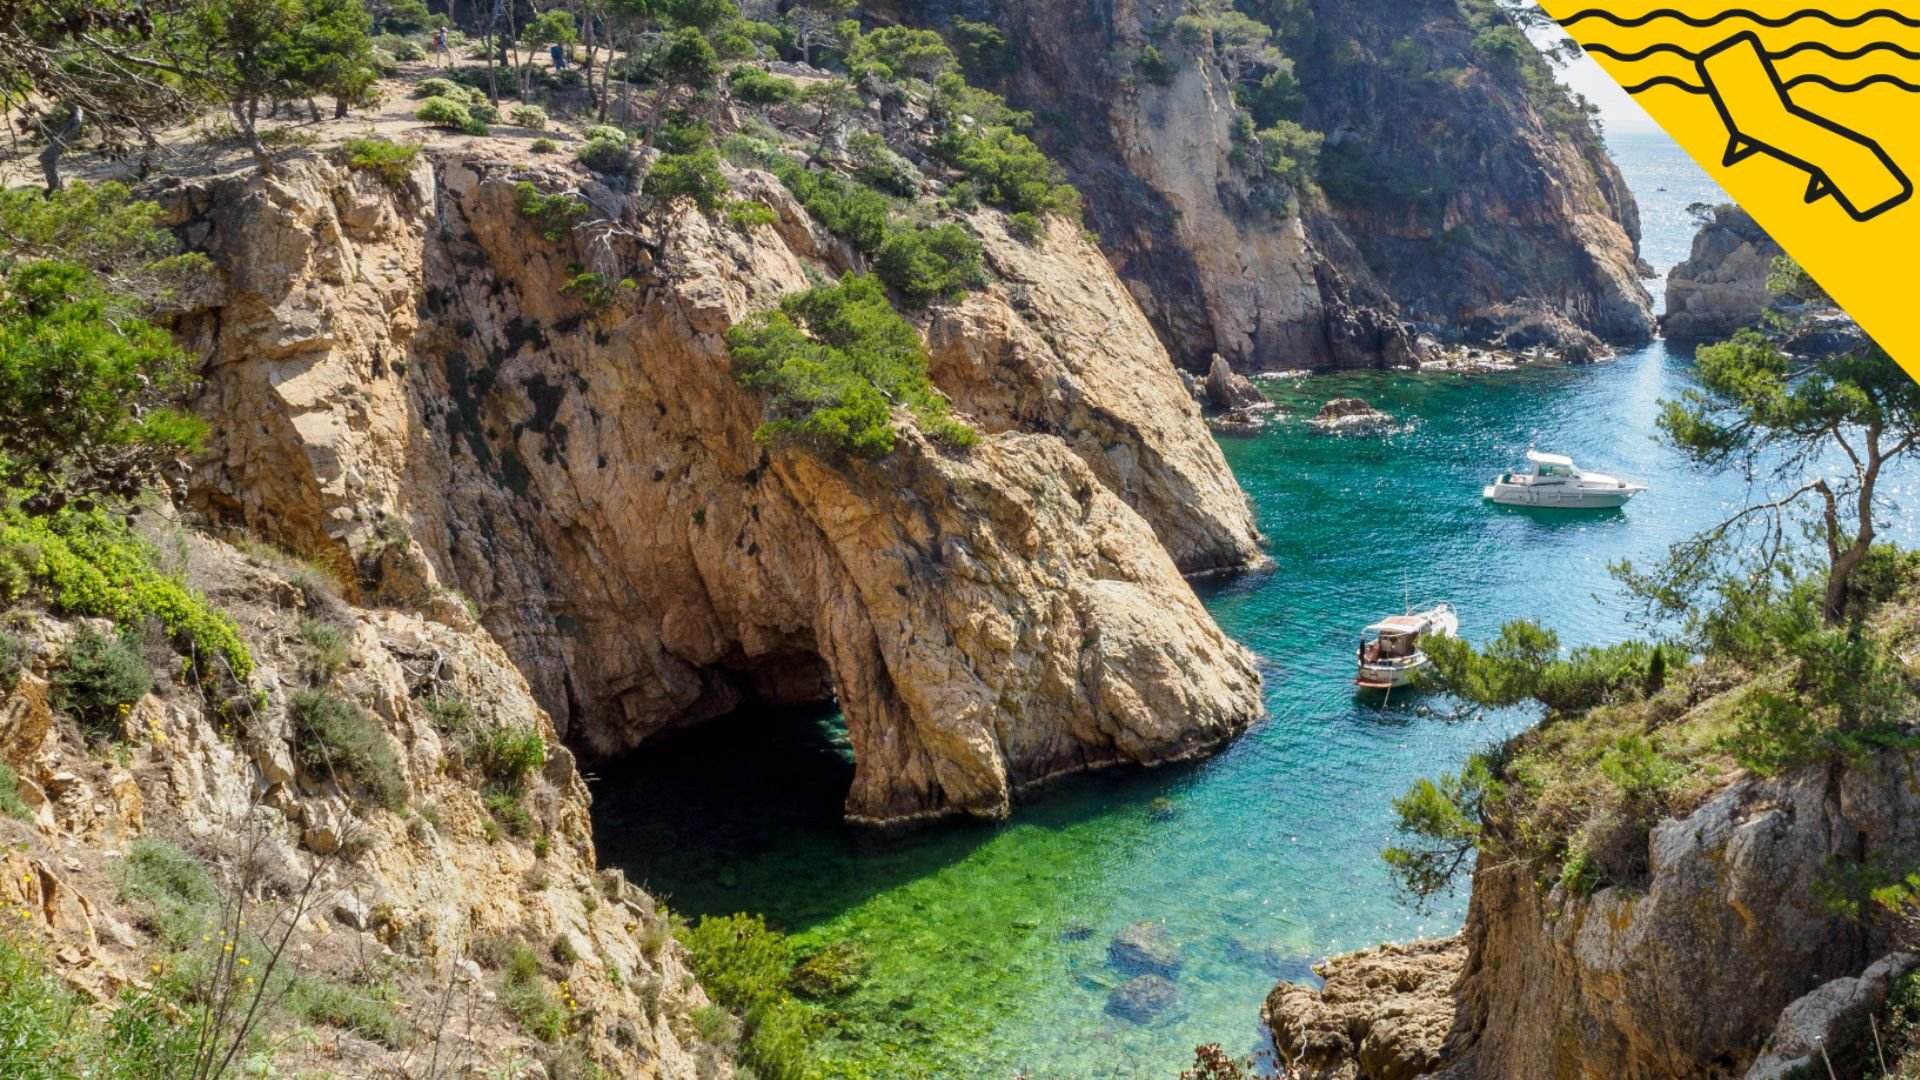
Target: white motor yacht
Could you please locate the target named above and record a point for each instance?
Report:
(1553, 482)
(1391, 653)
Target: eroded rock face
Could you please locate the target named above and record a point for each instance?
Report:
(1722, 287)
(424, 405)
(1382, 1014)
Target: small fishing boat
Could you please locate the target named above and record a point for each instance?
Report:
(1391, 653)
(1553, 482)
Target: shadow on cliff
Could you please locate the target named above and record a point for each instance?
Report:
(744, 814)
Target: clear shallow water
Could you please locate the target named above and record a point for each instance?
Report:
(988, 944)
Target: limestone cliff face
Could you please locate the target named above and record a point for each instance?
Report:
(405, 389)
(1722, 287)
(1458, 192)
(1685, 974)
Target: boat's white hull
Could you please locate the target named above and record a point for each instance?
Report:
(1557, 498)
(1388, 676)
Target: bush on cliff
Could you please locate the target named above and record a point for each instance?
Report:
(834, 361)
(333, 738)
(100, 678)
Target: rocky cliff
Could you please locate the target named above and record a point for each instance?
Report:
(1451, 188)
(1684, 974)
(399, 917)
(1722, 286)
(429, 407)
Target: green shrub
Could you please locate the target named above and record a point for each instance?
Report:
(528, 116)
(11, 805)
(846, 209)
(173, 889)
(924, 265)
(403, 49)
(332, 737)
(606, 156)
(13, 651)
(93, 390)
(99, 680)
(92, 564)
(878, 167)
(437, 87)
(555, 215)
(1154, 66)
(752, 152)
(1641, 772)
(509, 755)
(1009, 169)
(1024, 227)
(324, 649)
(605, 133)
(511, 813)
(445, 112)
(392, 162)
(695, 176)
(1580, 873)
(758, 87)
(748, 214)
(524, 992)
(543, 146)
(833, 361)
(715, 1026)
(371, 1012)
(740, 962)
(596, 291)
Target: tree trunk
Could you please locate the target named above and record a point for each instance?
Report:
(339, 108)
(1840, 571)
(246, 114)
(57, 145)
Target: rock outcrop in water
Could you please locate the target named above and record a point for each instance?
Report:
(1722, 287)
(1447, 186)
(427, 407)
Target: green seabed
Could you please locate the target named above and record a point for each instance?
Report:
(988, 944)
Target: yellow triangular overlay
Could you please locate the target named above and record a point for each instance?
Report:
(1809, 117)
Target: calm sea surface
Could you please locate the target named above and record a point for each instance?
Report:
(988, 944)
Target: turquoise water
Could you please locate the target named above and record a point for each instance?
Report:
(988, 944)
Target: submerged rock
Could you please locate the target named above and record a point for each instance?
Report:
(1147, 948)
(1344, 415)
(1142, 998)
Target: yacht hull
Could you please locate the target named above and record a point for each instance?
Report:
(1548, 498)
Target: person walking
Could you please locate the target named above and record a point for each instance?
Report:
(559, 54)
(441, 54)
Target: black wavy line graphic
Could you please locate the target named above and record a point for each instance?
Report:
(1666, 80)
(1848, 88)
(1794, 83)
(1625, 56)
(1843, 21)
